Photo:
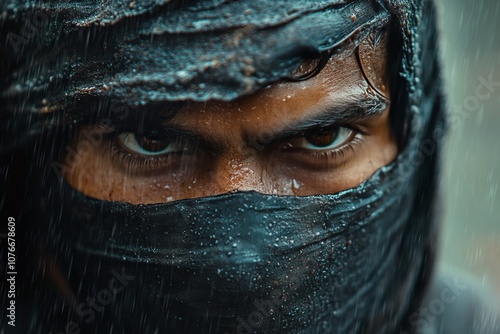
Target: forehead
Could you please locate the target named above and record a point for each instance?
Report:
(152, 53)
(353, 74)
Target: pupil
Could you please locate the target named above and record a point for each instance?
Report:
(322, 139)
(151, 144)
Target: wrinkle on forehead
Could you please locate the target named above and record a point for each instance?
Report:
(130, 54)
(341, 82)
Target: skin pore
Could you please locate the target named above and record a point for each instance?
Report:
(323, 135)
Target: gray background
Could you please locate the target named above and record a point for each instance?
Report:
(470, 41)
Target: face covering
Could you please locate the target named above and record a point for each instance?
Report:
(353, 262)
(241, 262)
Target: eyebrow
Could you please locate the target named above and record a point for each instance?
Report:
(325, 116)
(320, 117)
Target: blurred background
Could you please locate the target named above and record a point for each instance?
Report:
(470, 41)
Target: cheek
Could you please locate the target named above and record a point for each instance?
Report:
(377, 150)
(93, 171)
(349, 175)
(96, 176)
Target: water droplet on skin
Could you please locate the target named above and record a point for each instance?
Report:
(295, 186)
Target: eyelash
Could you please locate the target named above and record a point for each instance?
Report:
(336, 156)
(137, 164)
(339, 152)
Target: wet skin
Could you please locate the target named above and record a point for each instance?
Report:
(323, 135)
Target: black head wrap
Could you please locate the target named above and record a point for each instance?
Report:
(354, 262)
(67, 55)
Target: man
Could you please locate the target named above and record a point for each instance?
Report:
(231, 167)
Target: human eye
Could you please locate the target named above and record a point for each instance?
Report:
(150, 152)
(149, 146)
(324, 147)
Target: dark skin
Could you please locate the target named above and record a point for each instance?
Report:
(318, 136)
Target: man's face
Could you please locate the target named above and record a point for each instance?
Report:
(318, 136)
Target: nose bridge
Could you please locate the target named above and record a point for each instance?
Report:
(237, 171)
